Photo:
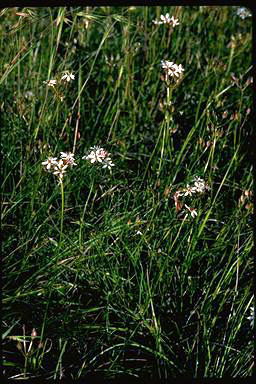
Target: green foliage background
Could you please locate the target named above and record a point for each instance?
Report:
(134, 289)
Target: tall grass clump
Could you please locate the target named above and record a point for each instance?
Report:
(127, 192)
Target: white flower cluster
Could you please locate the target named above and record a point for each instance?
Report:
(99, 155)
(65, 78)
(50, 83)
(68, 76)
(58, 167)
(243, 13)
(171, 69)
(200, 186)
(167, 20)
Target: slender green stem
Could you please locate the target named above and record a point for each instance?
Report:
(25, 367)
(168, 98)
(62, 210)
(168, 118)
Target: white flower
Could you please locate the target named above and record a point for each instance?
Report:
(188, 191)
(60, 166)
(192, 211)
(100, 155)
(168, 67)
(166, 64)
(63, 155)
(60, 169)
(243, 13)
(174, 21)
(68, 76)
(200, 185)
(108, 163)
(68, 158)
(172, 69)
(92, 157)
(50, 83)
(59, 173)
(179, 68)
(49, 162)
(166, 20)
(95, 155)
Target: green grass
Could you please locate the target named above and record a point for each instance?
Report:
(116, 281)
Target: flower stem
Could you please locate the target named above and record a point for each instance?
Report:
(168, 118)
(62, 210)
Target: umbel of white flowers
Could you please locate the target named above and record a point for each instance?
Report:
(58, 167)
(171, 21)
(66, 78)
(99, 155)
(200, 187)
(172, 69)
